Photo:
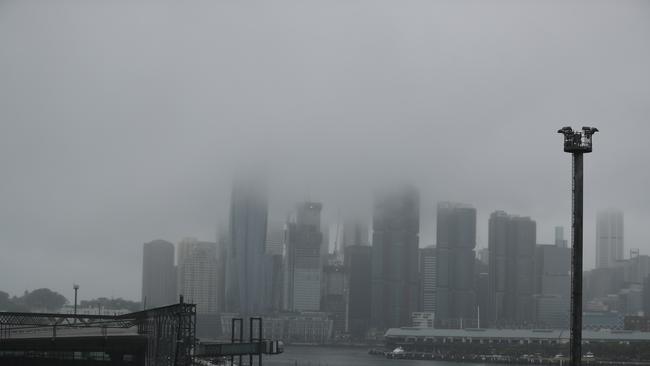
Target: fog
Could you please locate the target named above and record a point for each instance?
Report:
(124, 121)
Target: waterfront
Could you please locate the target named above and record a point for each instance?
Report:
(345, 356)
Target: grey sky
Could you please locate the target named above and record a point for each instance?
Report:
(122, 121)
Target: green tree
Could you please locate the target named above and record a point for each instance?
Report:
(115, 304)
(5, 301)
(44, 299)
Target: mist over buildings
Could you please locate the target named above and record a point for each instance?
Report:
(125, 122)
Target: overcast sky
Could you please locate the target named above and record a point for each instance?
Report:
(123, 121)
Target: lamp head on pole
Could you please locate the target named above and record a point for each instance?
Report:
(577, 141)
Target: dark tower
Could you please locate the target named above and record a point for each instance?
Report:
(577, 143)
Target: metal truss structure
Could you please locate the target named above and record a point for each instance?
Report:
(170, 331)
(171, 334)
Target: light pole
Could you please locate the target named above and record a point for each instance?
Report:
(577, 143)
(76, 288)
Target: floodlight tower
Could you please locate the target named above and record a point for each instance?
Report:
(75, 287)
(577, 143)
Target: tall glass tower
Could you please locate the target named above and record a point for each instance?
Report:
(245, 276)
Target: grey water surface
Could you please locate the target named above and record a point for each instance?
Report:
(342, 356)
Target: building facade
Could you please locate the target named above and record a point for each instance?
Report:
(275, 239)
(559, 237)
(552, 286)
(609, 238)
(158, 274)
(355, 232)
(358, 270)
(456, 240)
(511, 244)
(428, 282)
(304, 260)
(334, 292)
(198, 273)
(245, 267)
(395, 278)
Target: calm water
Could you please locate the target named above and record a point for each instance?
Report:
(335, 356)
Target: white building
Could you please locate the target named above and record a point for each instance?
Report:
(198, 274)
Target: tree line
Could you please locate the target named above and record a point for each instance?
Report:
(46, 300)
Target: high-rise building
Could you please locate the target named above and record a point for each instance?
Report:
(559, 237)
(245, 274)
(275, 282)
(303, 259)
(158, 274)
(428, 273)
(333, 295)
(395, 241)
(355, 232)
(358, 269)
(609, 238)
(222, 258)
(511, 286)
(198, 274)
(275, 238)
(456, 239)
(552, 286)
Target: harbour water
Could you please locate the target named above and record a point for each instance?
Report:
(345, 356)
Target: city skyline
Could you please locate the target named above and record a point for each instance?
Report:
(131, 131)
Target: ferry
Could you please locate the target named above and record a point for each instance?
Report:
(396, 353)
(588, 356)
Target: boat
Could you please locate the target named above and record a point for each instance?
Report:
(396, 353)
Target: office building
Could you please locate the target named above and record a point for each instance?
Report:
(158, 274)
(456, 240)
(358, 269)
(334, 295)
(428, 273)
(355, 232)
(245, 274)
(552, 285)
(395, 241)
(303, 259)
(275, 238)
(423, 319)
(609, 238)
(511, 286)
(198, 274)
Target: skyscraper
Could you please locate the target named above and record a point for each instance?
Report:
(275, 248)
(303, 261)
(609, 238)
(358, 269)
(511, 246)
(198, 274)
(456, 239)
(275, 238)
(395, 278)
(428, 282)
(245, 274)
(355, 232)
(333, 294)
(552, 285)
(158, 274)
